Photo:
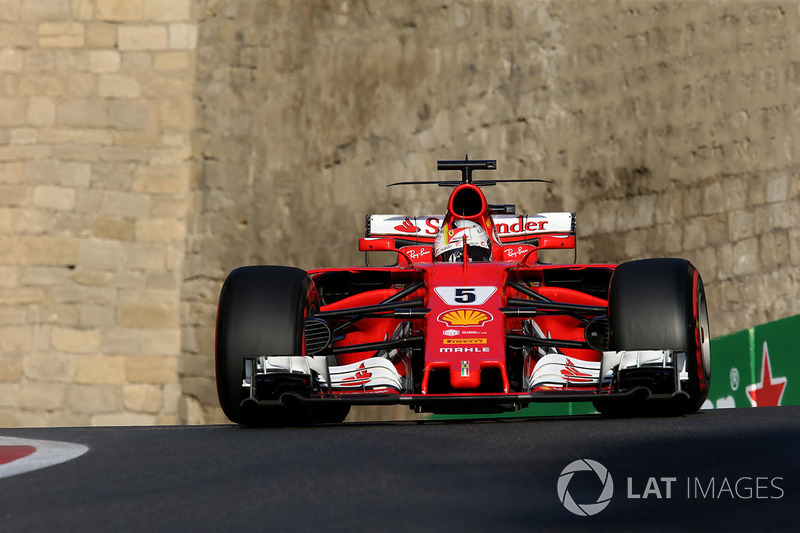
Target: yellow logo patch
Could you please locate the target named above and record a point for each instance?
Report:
(465, 317)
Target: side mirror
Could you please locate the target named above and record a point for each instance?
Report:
(376, 244)
(554, 242)
(382, 244)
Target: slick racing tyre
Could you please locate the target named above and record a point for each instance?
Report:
(261, 311)
(660, 304)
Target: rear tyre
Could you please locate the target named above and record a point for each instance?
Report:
(660, 304)
(261, 311)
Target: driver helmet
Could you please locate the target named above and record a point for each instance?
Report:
(449, 243)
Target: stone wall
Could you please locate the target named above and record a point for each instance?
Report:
(668, 127)
(96, 120)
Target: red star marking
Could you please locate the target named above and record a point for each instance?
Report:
(768, 391)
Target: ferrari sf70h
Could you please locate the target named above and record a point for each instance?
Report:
(467, 320)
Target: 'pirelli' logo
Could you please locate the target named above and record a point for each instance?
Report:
(465, 341)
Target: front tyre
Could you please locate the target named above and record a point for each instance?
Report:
(261, 312)
(660, 304)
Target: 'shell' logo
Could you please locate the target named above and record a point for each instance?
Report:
(407, 227)
(465, 317)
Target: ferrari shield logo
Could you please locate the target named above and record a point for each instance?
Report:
(464, 369)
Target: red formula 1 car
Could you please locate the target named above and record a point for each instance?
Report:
(468, 320)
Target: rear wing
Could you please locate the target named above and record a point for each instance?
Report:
(511, 229)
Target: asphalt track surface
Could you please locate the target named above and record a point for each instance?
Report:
(475, 475)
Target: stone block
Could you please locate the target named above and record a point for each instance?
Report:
(104, 61)
(775, 251)
(142, 256)
(163, 280)
(45, 276)
(9, 277)
(167, 157)
(120, 10)
(49, 367)
(100, 35)
(161, 341)
(71, 62)
(191, 411)
(12, 113)
(172, 394)
(49, 197)
(14, 195)
(142, 37)
(74, 174)
(125, 204)
(79, 341)
(62, 35)
(92, 278)
(741, 225)
(167, 10)
(168, 206)
(746, 257)
(41, 172)
(24, 136)
(120, 341)
(21, 295)
(68, 419)
(138, 61)
(100, 369)
(10, 367)
(8, 417)
(88, 200)
(99, 254)
(41, 396)
(183, 36)
(11, 172)
(58, 314)
(82, 9)
(172, 61)
(11, 59)
(96, 316)
(161, 180)
(125, 153)
(147, 315)
(151, 369)
(160, 230)
(82, 113)
(42, 10)
(123, 419)
(116, 86)
(114, 228)
(9, 10)
(38, 250)
(142, 398)
(93, 399)
(777, 188)
(128, 114)
(203, 388)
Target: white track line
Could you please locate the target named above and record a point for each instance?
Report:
(48, 453)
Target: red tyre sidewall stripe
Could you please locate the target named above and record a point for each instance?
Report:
(697, 334)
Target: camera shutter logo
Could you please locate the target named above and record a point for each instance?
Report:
(585, 509)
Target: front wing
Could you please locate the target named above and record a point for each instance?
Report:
(286, 380)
